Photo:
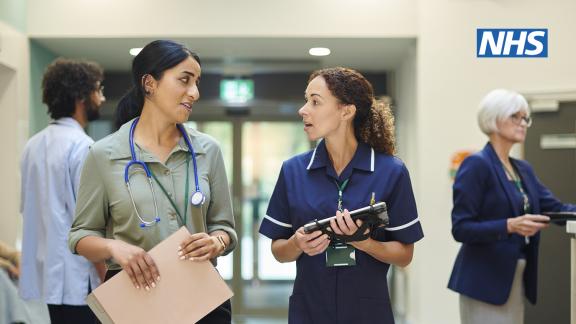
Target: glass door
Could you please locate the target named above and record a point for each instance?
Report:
(267, 283)
(222, 132)
(253, 155)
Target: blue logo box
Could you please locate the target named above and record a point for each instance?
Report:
(512, 42)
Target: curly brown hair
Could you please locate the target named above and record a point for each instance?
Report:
(374, 122)
(66, 81)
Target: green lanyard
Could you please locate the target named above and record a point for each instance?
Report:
(172, 202)
(518, 184)
(341, 188)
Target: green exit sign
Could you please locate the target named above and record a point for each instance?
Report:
(236, 90)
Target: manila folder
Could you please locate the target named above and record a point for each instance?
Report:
(186, 292)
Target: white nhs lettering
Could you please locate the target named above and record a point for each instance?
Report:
(525, 43)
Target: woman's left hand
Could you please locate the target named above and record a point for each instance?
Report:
(344, 225)
(13, 270)
(200, 247)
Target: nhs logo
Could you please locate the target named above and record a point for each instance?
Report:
(511, 42)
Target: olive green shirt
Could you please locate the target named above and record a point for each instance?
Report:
(104, 208)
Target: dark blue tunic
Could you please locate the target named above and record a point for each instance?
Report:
(305, 191)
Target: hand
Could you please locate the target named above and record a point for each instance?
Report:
(200, 247)
(344, 225)
(311, 244)
(137, 263)
(527, 225)
(13, 270)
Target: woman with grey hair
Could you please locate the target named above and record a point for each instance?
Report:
(498, 201)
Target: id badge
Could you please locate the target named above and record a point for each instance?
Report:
(340, 255)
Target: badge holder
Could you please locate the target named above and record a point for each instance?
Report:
(340, 255)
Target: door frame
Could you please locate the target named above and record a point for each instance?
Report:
(549, 100)
(237, 121)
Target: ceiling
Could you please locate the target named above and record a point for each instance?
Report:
(240, 56)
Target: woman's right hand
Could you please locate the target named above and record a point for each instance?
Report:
(311, 244)
(137, 263)
(527, 225)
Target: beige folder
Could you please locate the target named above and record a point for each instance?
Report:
(187, 291)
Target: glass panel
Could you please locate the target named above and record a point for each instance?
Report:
(265, 146)
(222, 132)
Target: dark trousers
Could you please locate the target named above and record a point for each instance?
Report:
(221, 315)
(68, 314)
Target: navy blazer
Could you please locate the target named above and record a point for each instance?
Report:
(483, 200)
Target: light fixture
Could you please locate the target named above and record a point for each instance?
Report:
(134, 51)
(319, 51)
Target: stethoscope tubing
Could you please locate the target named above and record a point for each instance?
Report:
(133, 161)
(187, 140)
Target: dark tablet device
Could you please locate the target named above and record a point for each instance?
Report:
(560, 217)
(379, 209)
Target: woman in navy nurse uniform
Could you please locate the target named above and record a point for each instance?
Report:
(497, 202)
(352, 163)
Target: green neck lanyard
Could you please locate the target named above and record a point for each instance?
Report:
(518, 183)
(186, 190)
(341, 188)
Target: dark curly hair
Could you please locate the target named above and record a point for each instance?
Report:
(66, 81)
(374, 121)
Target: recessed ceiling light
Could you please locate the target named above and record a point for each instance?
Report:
(319, 51)
(134, 51)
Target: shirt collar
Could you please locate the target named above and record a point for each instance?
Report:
(120, 149)
(68, 122)
(363, 158)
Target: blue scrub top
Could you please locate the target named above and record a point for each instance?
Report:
(305, 191)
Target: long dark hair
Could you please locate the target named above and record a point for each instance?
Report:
(374, 121)
(155, 58)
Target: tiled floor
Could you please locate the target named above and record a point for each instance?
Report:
(267, 295)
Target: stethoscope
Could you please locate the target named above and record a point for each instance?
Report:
(197, 199)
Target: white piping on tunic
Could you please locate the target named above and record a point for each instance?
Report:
(311, 160)
(372, 160)
(277, 222)
(397, 228)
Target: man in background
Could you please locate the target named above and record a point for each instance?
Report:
(51, 166)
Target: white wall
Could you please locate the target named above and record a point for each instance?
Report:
(173, 18)
(14, 84)
(406, 117)
(451, 82)
(405, 104)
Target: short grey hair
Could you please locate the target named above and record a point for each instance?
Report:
(497, 105)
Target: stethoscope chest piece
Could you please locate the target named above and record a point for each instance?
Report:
(197, 199)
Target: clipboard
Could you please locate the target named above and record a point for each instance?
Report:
(560, 217)
(187, 291)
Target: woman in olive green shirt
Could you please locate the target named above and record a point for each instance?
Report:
(120, 224)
